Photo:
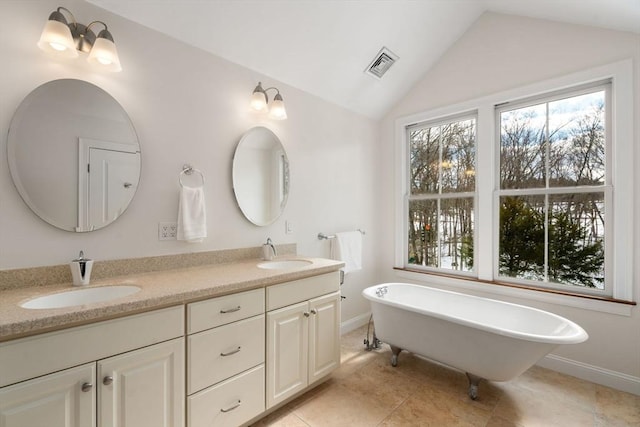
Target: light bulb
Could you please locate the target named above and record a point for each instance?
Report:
(56, 39)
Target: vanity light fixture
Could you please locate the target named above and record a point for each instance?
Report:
(66, 40)
(260, 102)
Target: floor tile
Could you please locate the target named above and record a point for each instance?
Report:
(617, 408)
(557, 386)
(430, 407)
(278, 419)
(337, 406)
(525, 407)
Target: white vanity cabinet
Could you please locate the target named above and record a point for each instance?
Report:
(303, 334)
(224, 361)
(225, 352)
(121, 372)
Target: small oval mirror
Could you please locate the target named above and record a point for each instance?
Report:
(260, 176)
(73, 155)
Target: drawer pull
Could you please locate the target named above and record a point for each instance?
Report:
(86, 387)
(230, 310)
(231, 352)
(232, 408)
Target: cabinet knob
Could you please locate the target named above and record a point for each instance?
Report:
(306, 314)
(314, 311)
(108, 380)
(86, 387)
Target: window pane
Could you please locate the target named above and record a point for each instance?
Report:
(441, 238)
(424, 145)
(443, 158)
(458, 157)
(573, 230)
(522, 147)
(522, 237)
(423, 233)
(577, 140)
(576, 239)
(456, 234)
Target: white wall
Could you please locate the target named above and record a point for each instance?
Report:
(501, 52)
(188, 106)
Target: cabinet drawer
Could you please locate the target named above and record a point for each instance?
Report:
(230, 403)
(220, 311)
(220, 353)
(301, 290)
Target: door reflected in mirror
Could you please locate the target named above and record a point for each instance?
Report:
(74, 155)
(260, 176)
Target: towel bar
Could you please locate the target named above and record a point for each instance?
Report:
(322, 236)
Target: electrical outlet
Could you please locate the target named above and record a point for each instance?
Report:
(167, 230)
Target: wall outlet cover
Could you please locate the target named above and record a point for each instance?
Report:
(167, 230)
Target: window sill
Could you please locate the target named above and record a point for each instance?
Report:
(582, 301)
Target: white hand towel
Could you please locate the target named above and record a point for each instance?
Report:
(347, 247)
(192, 217)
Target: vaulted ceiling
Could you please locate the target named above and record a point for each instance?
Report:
(324, 46)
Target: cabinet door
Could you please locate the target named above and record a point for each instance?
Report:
(63, 399)
(324, 335)
(143, 388)
(287, 352)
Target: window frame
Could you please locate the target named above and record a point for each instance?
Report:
(440, 196)
(606, 189)
(624, 193)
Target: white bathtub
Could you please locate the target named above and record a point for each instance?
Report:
(485, 338)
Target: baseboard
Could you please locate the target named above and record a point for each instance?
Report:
(354, 323)
(595, 374)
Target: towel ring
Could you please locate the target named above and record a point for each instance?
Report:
(189, 170)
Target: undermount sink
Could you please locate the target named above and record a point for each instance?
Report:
(80, 297)
(284, 264)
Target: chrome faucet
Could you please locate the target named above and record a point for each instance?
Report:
(381, 291)
(269, 250)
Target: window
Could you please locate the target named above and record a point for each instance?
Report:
(536, 191)
(553, 187)
(442, 192)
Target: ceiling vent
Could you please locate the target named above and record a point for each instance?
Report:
(381, 63)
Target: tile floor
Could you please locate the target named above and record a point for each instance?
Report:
(367, 392)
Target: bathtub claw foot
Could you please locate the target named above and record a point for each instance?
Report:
(394, 357)
(474, 382)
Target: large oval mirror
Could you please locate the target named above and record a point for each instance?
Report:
(74, 155)
(260, 176)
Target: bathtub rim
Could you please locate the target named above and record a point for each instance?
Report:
(579, 335)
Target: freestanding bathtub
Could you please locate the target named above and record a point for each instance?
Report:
(485, 338)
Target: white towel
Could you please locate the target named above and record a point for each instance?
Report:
(192, 217)
(347, 247)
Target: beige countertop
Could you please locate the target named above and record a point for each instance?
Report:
(158, 289)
